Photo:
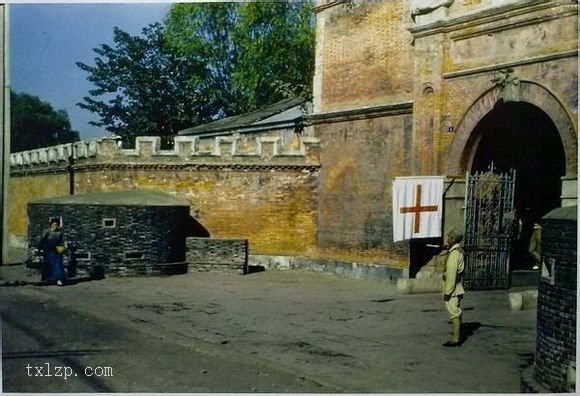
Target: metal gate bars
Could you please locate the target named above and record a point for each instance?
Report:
(489, 212)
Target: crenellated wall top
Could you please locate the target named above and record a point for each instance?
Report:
(186, 149)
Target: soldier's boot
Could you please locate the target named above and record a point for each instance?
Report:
(455, 342)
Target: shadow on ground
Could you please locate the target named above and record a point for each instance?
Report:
(69, 282)
(252, 269)
(468, 329)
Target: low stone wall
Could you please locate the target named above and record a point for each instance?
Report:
(342, 268)
(556, 331)
(141, 269)
(223, 255)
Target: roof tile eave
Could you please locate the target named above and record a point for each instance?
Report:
(243, 120)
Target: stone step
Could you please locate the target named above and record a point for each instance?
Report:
(521, 300)
(419, 285)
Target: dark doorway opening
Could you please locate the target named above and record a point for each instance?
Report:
(521, 136)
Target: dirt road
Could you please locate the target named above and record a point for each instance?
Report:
(313, 332)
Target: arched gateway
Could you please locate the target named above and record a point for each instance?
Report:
(533, 136)
(464, 146)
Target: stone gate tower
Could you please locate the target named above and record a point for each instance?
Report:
(441, 87)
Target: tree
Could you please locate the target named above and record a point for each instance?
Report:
(144, 86)
(255, 53)
(276, 55)
(35, 124)
(207, 61)
(204, 32)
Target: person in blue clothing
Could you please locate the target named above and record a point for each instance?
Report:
(53, 245)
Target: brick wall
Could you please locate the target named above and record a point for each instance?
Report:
(392, 97)
(556, 324)
(264, 192)
(372, 56)
(274, 208)
(364, 54)
(361, 157)
(224, 255)
(453, 69)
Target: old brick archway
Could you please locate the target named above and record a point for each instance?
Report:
(520, 136)
(534, 136)
(465, 143)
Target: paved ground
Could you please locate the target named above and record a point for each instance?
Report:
(314, 332)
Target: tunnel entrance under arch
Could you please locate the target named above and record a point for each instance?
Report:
(520, 136)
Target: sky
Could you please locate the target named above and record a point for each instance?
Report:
(46, 41)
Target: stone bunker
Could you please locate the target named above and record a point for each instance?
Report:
(136, 232)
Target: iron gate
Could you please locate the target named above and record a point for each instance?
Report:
(489, 208)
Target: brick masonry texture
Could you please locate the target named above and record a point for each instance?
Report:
(222, 255)
(268, 199)
(355, 210)
(556, 328)
(528, 384)
(24, 189)
(366, 51)
(144, 240)
(445, 67)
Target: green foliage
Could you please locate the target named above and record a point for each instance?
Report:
(256, 53)
(276, 57)
(35, 124)
(143, 86)
(204, 32)
(209, 60)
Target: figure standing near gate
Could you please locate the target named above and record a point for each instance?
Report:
(53, 246)
(535, 247)
(452, 284)
(515, 227)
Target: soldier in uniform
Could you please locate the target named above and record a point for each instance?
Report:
(452, 286)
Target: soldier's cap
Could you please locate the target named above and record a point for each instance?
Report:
(456, 234)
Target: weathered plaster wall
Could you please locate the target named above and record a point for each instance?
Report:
(274, 209)
(21, 190)
(392, 97)
(355, 209)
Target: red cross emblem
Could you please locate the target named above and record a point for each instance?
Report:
(418, 209)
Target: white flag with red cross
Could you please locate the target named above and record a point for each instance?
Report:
(417, 207)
